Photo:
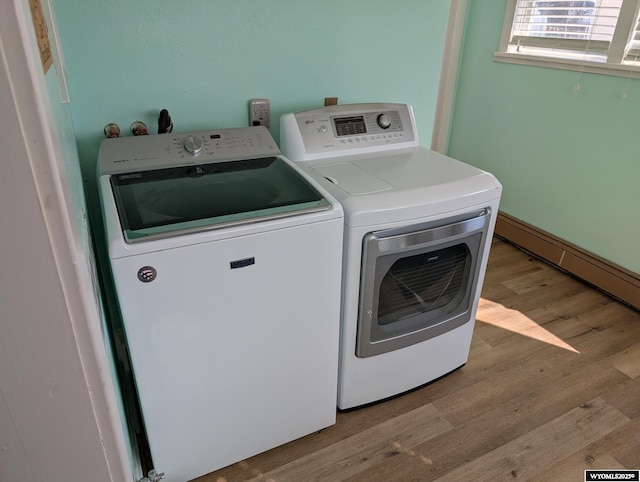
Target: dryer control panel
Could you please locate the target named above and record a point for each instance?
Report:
(347, 129)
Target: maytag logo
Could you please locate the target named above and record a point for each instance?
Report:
(147, 274)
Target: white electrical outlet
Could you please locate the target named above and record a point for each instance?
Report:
(259, 112)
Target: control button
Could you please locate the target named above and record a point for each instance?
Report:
(384, 121)
(323, 128)
(193, 145)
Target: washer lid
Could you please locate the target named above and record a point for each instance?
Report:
(180, 200)
(353, 179)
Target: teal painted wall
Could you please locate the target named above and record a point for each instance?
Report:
(204, 59)
(569, 161)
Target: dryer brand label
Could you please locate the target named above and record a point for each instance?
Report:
(147, 274)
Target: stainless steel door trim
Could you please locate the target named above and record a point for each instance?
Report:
(470, 229)
(415, 240)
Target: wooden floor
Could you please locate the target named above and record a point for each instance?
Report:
(551, 388)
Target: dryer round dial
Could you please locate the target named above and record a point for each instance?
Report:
(193, 145)
(384, 121)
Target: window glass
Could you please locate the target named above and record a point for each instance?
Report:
(588, 31)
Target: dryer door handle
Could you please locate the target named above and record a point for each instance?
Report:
(417, 239)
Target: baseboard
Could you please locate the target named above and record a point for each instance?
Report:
(601, 273)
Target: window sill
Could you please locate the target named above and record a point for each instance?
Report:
(617, 70)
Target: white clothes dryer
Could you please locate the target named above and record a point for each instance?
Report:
(417, 231)
(225, 258)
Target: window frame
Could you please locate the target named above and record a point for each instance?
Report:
(612, 66)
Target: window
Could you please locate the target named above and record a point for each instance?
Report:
(604, 34)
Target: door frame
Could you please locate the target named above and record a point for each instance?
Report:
(59, 413)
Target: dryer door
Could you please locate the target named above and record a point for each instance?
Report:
(419, 282)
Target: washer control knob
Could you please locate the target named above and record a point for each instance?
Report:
(384, 121)
(193, 145)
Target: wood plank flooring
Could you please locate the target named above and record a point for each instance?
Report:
(551, 388)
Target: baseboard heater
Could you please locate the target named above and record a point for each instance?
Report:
(614, 280)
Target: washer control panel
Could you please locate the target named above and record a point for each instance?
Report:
(129, 154)
(350, 128)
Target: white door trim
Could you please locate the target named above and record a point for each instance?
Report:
(449, 75)
(57, 398)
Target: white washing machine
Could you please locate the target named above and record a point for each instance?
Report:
(417, 231)
(225, 257)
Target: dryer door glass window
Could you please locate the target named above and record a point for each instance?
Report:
(187, 199)
(432, 282)
(418, 283)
